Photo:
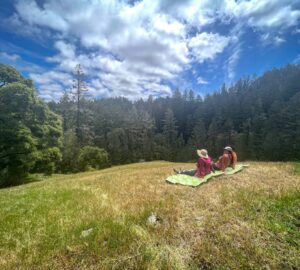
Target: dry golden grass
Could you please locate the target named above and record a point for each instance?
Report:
(249, 220)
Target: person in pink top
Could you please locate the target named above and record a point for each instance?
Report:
(204, 165)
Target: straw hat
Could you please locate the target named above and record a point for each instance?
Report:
(202, 153)
(228, 148)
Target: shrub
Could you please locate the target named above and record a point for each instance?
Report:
(48, 161)
(92, 157)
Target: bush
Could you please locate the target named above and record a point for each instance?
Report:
(48, 161)
(70, 153)
(92, 157)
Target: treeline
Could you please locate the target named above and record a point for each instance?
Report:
(260, 117)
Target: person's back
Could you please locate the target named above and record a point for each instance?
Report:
(233, 160)
(228, 159)
(223, 162)
(204, 166)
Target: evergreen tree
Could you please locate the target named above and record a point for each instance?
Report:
(67, 109)
(198, 138)
(170, 135)
(30, 134)
(118, 146)
(256, 115)
(79, 88)
(212, 136)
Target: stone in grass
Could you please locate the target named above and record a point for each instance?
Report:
(86, 233)
(153, 219)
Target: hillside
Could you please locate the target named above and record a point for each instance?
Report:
(249, 220)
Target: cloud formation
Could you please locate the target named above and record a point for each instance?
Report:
(138, 48)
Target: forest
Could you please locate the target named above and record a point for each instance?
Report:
(258, 116)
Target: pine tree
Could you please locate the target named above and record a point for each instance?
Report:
(79, 89)
(199, 138)
(118, 146)
(191, 96)
(212, 136)
(170, 135)
(66, 109)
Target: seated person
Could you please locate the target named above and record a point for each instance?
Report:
(228, 159)
(204, 165)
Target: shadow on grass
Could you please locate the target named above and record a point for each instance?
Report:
(296, 168)
(32, 178)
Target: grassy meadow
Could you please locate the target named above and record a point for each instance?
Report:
(249, 220)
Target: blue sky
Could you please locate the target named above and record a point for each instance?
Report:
(141, 48)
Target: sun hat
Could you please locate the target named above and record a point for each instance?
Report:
(202, 153)
(228, 148)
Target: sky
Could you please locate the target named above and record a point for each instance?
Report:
(148, 47)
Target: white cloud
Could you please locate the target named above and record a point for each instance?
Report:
(268, 14)
(20, 64)
(9, 57)
(230, 65)
(52, 84)
(30, 12)
(206, 46)
(52, 91)
(200, 80)
(134, 49)
(278, 40)
(297, 59)
(47, 78)
(296, 31)
(198, 13)
(269, 39)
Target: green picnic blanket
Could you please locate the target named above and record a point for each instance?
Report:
(193, 181)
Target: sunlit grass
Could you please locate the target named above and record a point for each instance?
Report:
(296, 168)
(245, 221)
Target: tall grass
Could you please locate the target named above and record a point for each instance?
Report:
(245, 221)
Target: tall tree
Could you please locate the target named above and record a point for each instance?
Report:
(30, 133)
(66, 109)
(170, 133)
(79, 89)
(198, 139)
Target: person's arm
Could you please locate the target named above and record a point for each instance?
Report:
(221, 163)
(224, 162)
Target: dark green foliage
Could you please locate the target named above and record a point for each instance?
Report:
(259, 116)
(48, 160)
(92, 157)
(70, 152)
(8, 74)
(118, 145)
(30, 134)
(170, 136)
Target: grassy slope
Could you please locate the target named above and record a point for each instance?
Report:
(249, 220)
